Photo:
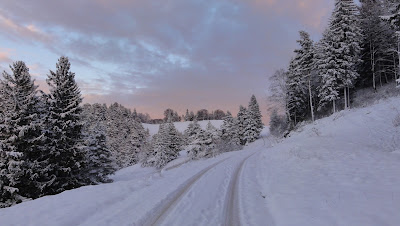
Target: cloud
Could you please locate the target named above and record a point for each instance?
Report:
(176, 53)
(15, 30)
(310, 13)
(5, 55)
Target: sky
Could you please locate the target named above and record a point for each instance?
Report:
(154, 55)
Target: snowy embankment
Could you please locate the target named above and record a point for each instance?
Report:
(341, 170)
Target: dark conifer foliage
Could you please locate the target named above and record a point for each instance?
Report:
(66, 156)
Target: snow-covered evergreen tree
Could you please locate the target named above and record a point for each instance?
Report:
(99, 159)
(379, 44)
(22, 157)
(393, 17)
(214, 131)
(296, 93)
(64, 124)
(166, 146)
(230, 130)
(202, 146)
(242, 119)
(255, 113)
(125, 135)
(187, 116)
(345, 46)
(192, 130)
(299, 82)
(328, 90)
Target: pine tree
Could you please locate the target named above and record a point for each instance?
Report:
(255, 113)
(187, 115)
(230, 130)
(394, 18)
(328, 90)
(99, 159)
(299, 86)
(213, 131)
(296, 93)
(20, 136)
(378, 43)
(192, 130)
(306, 61)
(166, 146)
(202, 146)
(242, 118)
(345, 45)
(66, 155)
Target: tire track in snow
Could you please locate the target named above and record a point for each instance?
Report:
(165, 208)
(232, 211)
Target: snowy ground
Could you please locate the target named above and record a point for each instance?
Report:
(342, 170)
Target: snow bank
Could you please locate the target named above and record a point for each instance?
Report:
(342, 170)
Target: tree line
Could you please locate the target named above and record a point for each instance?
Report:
(360, 48)
(199, 143)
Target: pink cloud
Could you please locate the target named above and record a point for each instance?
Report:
(311, 13)
(29, 31)
(5, 55)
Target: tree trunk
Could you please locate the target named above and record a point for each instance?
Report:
(371, 49)
(348, 97)
(311, 101)
(334, 106)
(398, 58)
(345, 98)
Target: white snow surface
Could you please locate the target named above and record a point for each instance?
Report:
(182, 126)
(341, 170)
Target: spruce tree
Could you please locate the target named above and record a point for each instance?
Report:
(378, 43)
(243, 120)
(328, 90)
(255, 113)
(166, 146)
(66, 156)
(346, 36)
(192, 130)
(202, 146)
(99, 159)
(187, 115)
(230, 130)
(23, 156)
(296, 93)
(213, 131)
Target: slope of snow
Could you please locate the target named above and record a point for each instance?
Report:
(181, 126)
(341, 170)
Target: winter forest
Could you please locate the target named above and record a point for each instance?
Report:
(359, 49)
(51, 142)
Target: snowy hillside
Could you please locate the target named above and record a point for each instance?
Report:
(181, 126)
(342, 170)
